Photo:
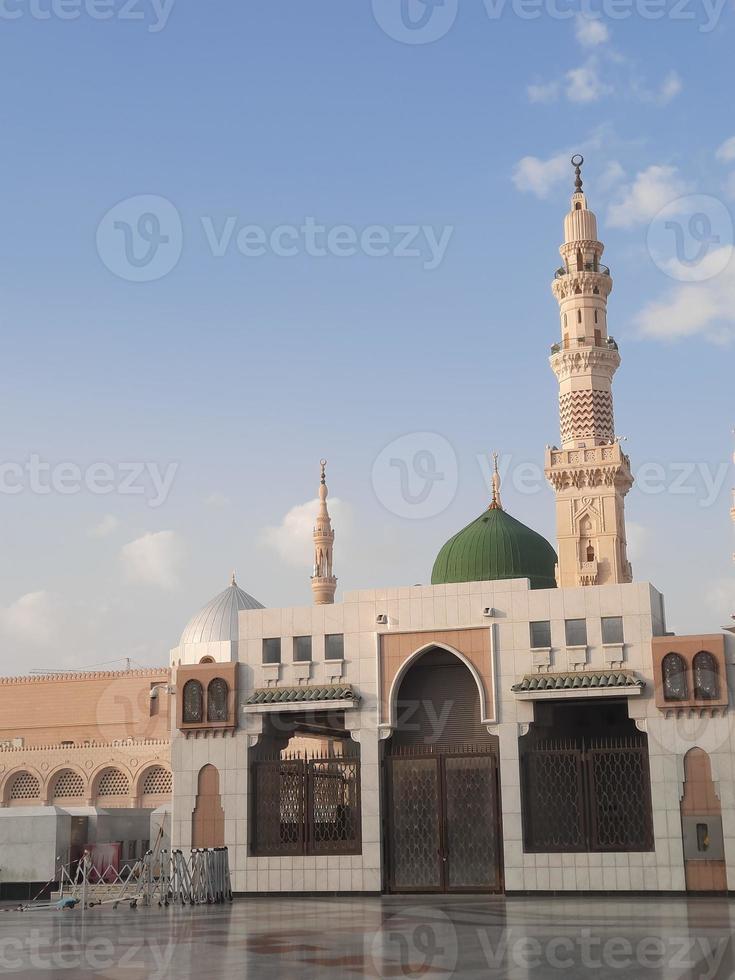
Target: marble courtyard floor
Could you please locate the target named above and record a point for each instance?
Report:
(393, 937)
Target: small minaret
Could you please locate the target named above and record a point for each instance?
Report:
(323, 583)
(590, 473)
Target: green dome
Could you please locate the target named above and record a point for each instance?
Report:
(496, 546)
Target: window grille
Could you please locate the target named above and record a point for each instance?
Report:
(157, 782)
(674, 670)
(113, 783)
(217, 693)
(307, 806)
(588, 795)
(193, 711)
(25, 787)
(68, 784)
(706, 681)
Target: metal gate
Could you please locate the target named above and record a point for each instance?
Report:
(306, 806)
(443, 821)
(590, 795)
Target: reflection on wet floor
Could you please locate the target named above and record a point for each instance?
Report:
(392, 937)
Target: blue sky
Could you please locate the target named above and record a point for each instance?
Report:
(240, 372)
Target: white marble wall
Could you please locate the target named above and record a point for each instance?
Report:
(447, 606)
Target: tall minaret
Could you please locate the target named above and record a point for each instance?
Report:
(323, 583)
(590, 473)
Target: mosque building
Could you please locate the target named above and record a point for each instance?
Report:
(526, 723)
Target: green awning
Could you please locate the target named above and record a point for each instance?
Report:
(584, 679)
(307, 693)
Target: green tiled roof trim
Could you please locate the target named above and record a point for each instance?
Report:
(584, 679)
(496, 546)
(289, 695)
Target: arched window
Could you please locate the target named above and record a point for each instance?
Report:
(68, 785)
(25, 787)
(706, 680)
(217, 700)
(207, 660)
(674, 671)
(193, 702)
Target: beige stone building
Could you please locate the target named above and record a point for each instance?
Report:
(84, 759)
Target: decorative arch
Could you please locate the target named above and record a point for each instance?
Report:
(65, 780)
(154, 776)
(416, 656)
(9, 785)
(111, 781)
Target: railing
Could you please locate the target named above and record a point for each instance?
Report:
(587, 267)
(557, 348)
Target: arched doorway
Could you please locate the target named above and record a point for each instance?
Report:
(442, 800)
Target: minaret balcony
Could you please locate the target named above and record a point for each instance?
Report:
(586, 267)
(587, 573)
(608, 343)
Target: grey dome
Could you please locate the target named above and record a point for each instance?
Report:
(217, 622)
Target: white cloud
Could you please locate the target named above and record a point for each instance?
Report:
(706, 308)
(544, 92)
(640, 200)
(540, 177)
(292, 538)
(33, 619)
(590, 31)
(669, 88)
(610, 176)
(726, 152)
(107, 526)
(153, 559)
(585, 85)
